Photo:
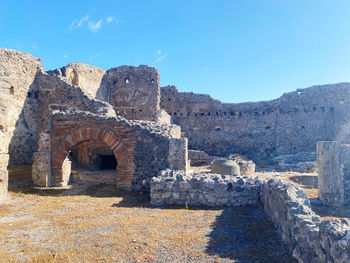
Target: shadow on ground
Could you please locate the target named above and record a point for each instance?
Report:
(244, 234)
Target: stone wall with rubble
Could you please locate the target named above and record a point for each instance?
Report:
(261, 130)
(287, 206)
(309, 239)
(178, 187)
(73, 109)
(17, 107)
(134, 92)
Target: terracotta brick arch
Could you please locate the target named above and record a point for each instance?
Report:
(122, 152)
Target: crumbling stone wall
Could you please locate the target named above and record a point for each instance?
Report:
(309, 239)
(17, 120)
(260, 130)
(133, 91)
(87, 77)
(69, 112)
(179, 187)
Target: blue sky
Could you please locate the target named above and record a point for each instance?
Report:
(233, 50)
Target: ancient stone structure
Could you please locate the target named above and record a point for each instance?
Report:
(333, 173)
(309, 239)
(177, 187)
(17, 123)
(261, 130)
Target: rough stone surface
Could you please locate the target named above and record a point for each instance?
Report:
(87, 77)
(177, 187)
(41, 169)
(309, 240)
(333, 173)
(134, 92)
(245, 166)
(178, 155)
(17, 107)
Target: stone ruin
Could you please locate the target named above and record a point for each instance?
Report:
(82, 124)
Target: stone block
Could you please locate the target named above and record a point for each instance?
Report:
(330, 179)
(41, 169)
(178, 154)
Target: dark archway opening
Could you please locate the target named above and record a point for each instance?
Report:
(92, 162)
(92, 156)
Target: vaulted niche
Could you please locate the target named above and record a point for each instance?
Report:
(92, 156)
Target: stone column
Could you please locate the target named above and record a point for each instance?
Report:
(41, 169)
(330, 173)
(178, 154)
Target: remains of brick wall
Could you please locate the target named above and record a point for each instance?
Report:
(177, 187)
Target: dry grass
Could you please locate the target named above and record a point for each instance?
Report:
(101, 224)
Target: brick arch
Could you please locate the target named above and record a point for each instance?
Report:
(123, 153)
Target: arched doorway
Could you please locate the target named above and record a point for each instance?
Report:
(61, 165)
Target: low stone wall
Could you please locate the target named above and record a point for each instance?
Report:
(177, 187)
(309, 240)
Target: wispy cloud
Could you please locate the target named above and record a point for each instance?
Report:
(78, 22)
(160, 55)
(157, 52)
(94, 56)
(35, 45)
(110, 19)
(65, 56)
(95, 27)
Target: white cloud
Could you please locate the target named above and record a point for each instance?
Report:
(110, 19)
(94, 56)
(95, 27)
(157, 52)
(162, 57)
(78, 22)
(65, 56)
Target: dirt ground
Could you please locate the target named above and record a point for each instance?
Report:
(100, 224)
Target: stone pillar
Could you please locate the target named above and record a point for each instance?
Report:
(4, 159)
(330, 173)
(41, 169)
(345, 171)
(66, 171)
(178, 154)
